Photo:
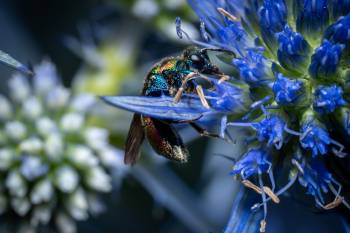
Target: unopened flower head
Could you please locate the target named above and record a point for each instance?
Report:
(53, 164)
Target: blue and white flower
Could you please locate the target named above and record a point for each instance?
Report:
(293, 55)
(291, 69)
(53, 164)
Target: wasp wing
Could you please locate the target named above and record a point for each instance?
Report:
(165, 140)
(134, 140)
(162, 107)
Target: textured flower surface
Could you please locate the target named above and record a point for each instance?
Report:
(294, 57)
(53, 164)
(289, 88)
(253, 162)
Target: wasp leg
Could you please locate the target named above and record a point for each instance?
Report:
(182, 88)
(223, 78)
(187, 78)
(201, 95)
(178, 95)
(188, 121)
(204, 132)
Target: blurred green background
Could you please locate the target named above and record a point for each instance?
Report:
(107, 47)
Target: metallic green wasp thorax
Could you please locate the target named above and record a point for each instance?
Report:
(166, 77)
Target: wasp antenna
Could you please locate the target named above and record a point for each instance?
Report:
(214, 49)
(180, 33)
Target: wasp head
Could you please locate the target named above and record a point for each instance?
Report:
(198, 59)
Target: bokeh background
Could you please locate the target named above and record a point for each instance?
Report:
(106, 48)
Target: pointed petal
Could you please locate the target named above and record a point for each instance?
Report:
(160, 107)
(10, 61)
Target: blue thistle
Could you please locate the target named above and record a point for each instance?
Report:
(287, 91)
(340, 8)
(327, 99)
(291, 67)
(254, 68)
(315, 178)
(293, 50)
(272, 19)
(338, 32)
(270, 129)
(253, 162)
(318, 181)
(312, 18)
(298, 75)
(325, 60)
(314, 138)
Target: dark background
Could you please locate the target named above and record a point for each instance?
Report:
(31, 30)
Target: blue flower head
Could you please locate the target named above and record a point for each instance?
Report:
(293, 50)
(316, 179)
(233, 37)
(325, 60)
(312, 18)
(287, 91)
(291, 59)
(273, 15)
(327, 99)
(270, 129)
(339, 31)
(292, 56)
(227, 97)
(340, 8)
(314, 138)
(223, 32)
(254, 69)
(253, 162)
(343, 117)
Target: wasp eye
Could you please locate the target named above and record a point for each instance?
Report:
(195, 58)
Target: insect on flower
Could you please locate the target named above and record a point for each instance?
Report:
(171, 77)
(294, 57)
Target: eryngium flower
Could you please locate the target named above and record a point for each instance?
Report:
(294, 57)
(53, 164)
